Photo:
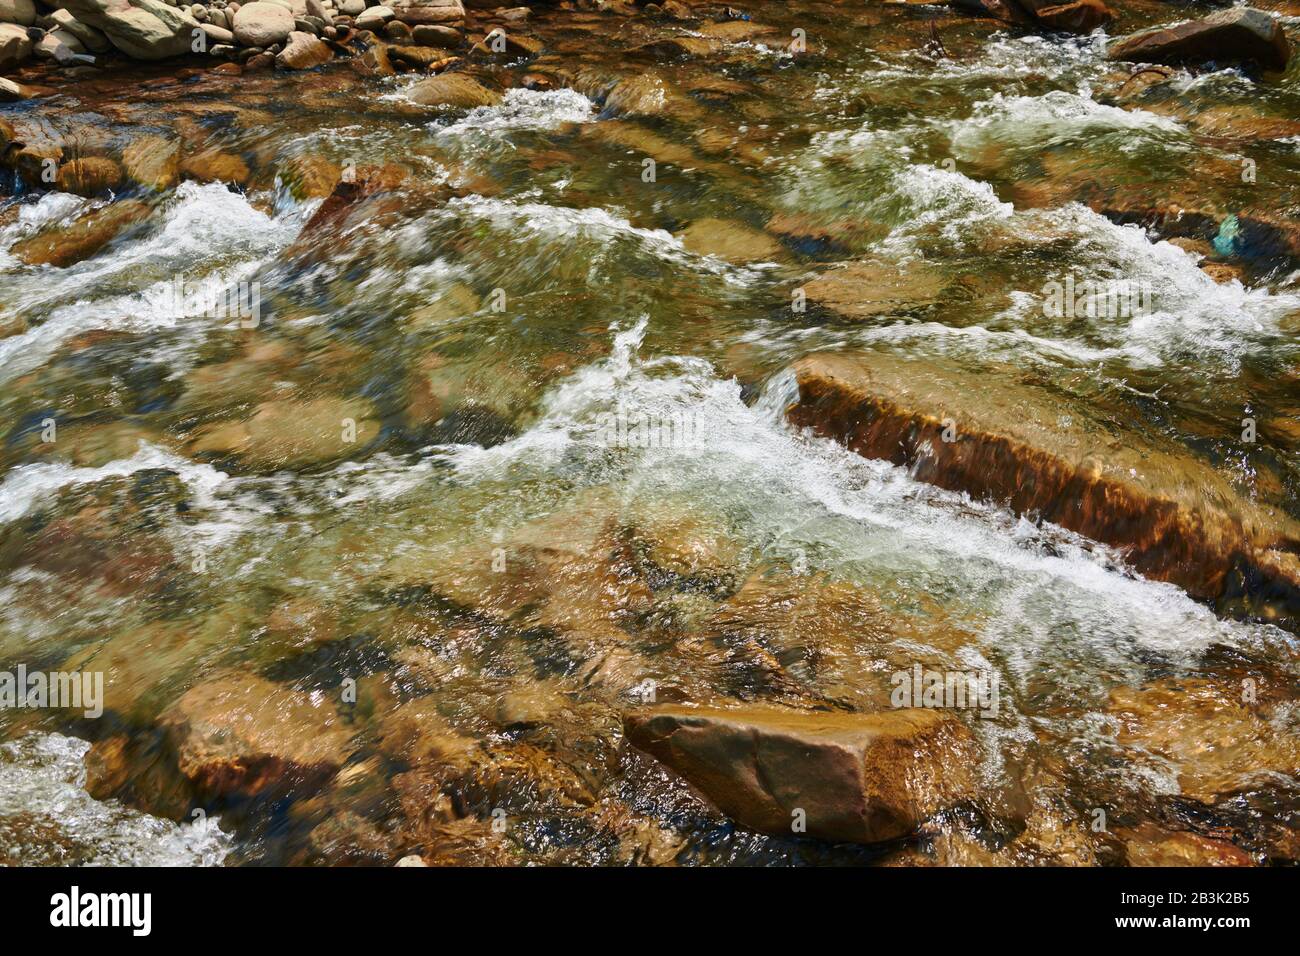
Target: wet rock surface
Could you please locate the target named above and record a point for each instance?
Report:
(861, 778)
(1175, 518)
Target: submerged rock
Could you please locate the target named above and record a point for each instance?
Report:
(1148, 845)
(454, 90)
(868, 289)
(215, 165)
(153, 161)
(1177, 518)
(861, 778)
(63, 246)
(647, 94)
(733, 241)
(1217, 736)
(1236, 35)
(241, 735)
(89, 176)
(293, 434)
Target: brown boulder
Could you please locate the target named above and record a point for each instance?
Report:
(868, 289)
(89, 176)
(243, 735)
(861, 778)
(733, 241)
(302, 51)
(153, 162)
(1217, 742)
(453, 89)
(63, 246)
(1149, 845)
(1079, 16)
(1177, 517)
(214, 165)
(293, 434)
(1236, 35)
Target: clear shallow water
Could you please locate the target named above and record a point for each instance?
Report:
(607, 308)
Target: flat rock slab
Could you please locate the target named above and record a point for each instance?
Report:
(861, 778)
(1175, 516)
(1236, 35)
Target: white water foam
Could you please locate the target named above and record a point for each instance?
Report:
(208, 236)
(1055, 118)
(523, 110)
(42, 776)
(25, 486)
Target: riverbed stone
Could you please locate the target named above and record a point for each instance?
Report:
(89, 176)
(1149, 845)
(153, 161)
(1220, 736)
(92, 39)
(263, 24)
(310, 176)
(453, 90)
(868, 289)
(66, 245)
(143, 29)
(241, 735)
(429, 11)
(860, 778)
(1177, 518)
(646, 94)
(22, 12)
(437, 34)
(292, 434)
(1236, 35)
(216, 165)
(15, 45)
(302, 51)
(733, 241)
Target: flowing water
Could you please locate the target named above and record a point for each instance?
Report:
(486, 319)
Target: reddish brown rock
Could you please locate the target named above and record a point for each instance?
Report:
(214, 165)
(1219, 736)
(861, 778)
(302, 51)
(89, 176)
(153, 161)
(1149, 845)
(1177, 518)
(246, 736)
(452, 90)
(63, 246)
(1079, 16)
(1237, 35)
